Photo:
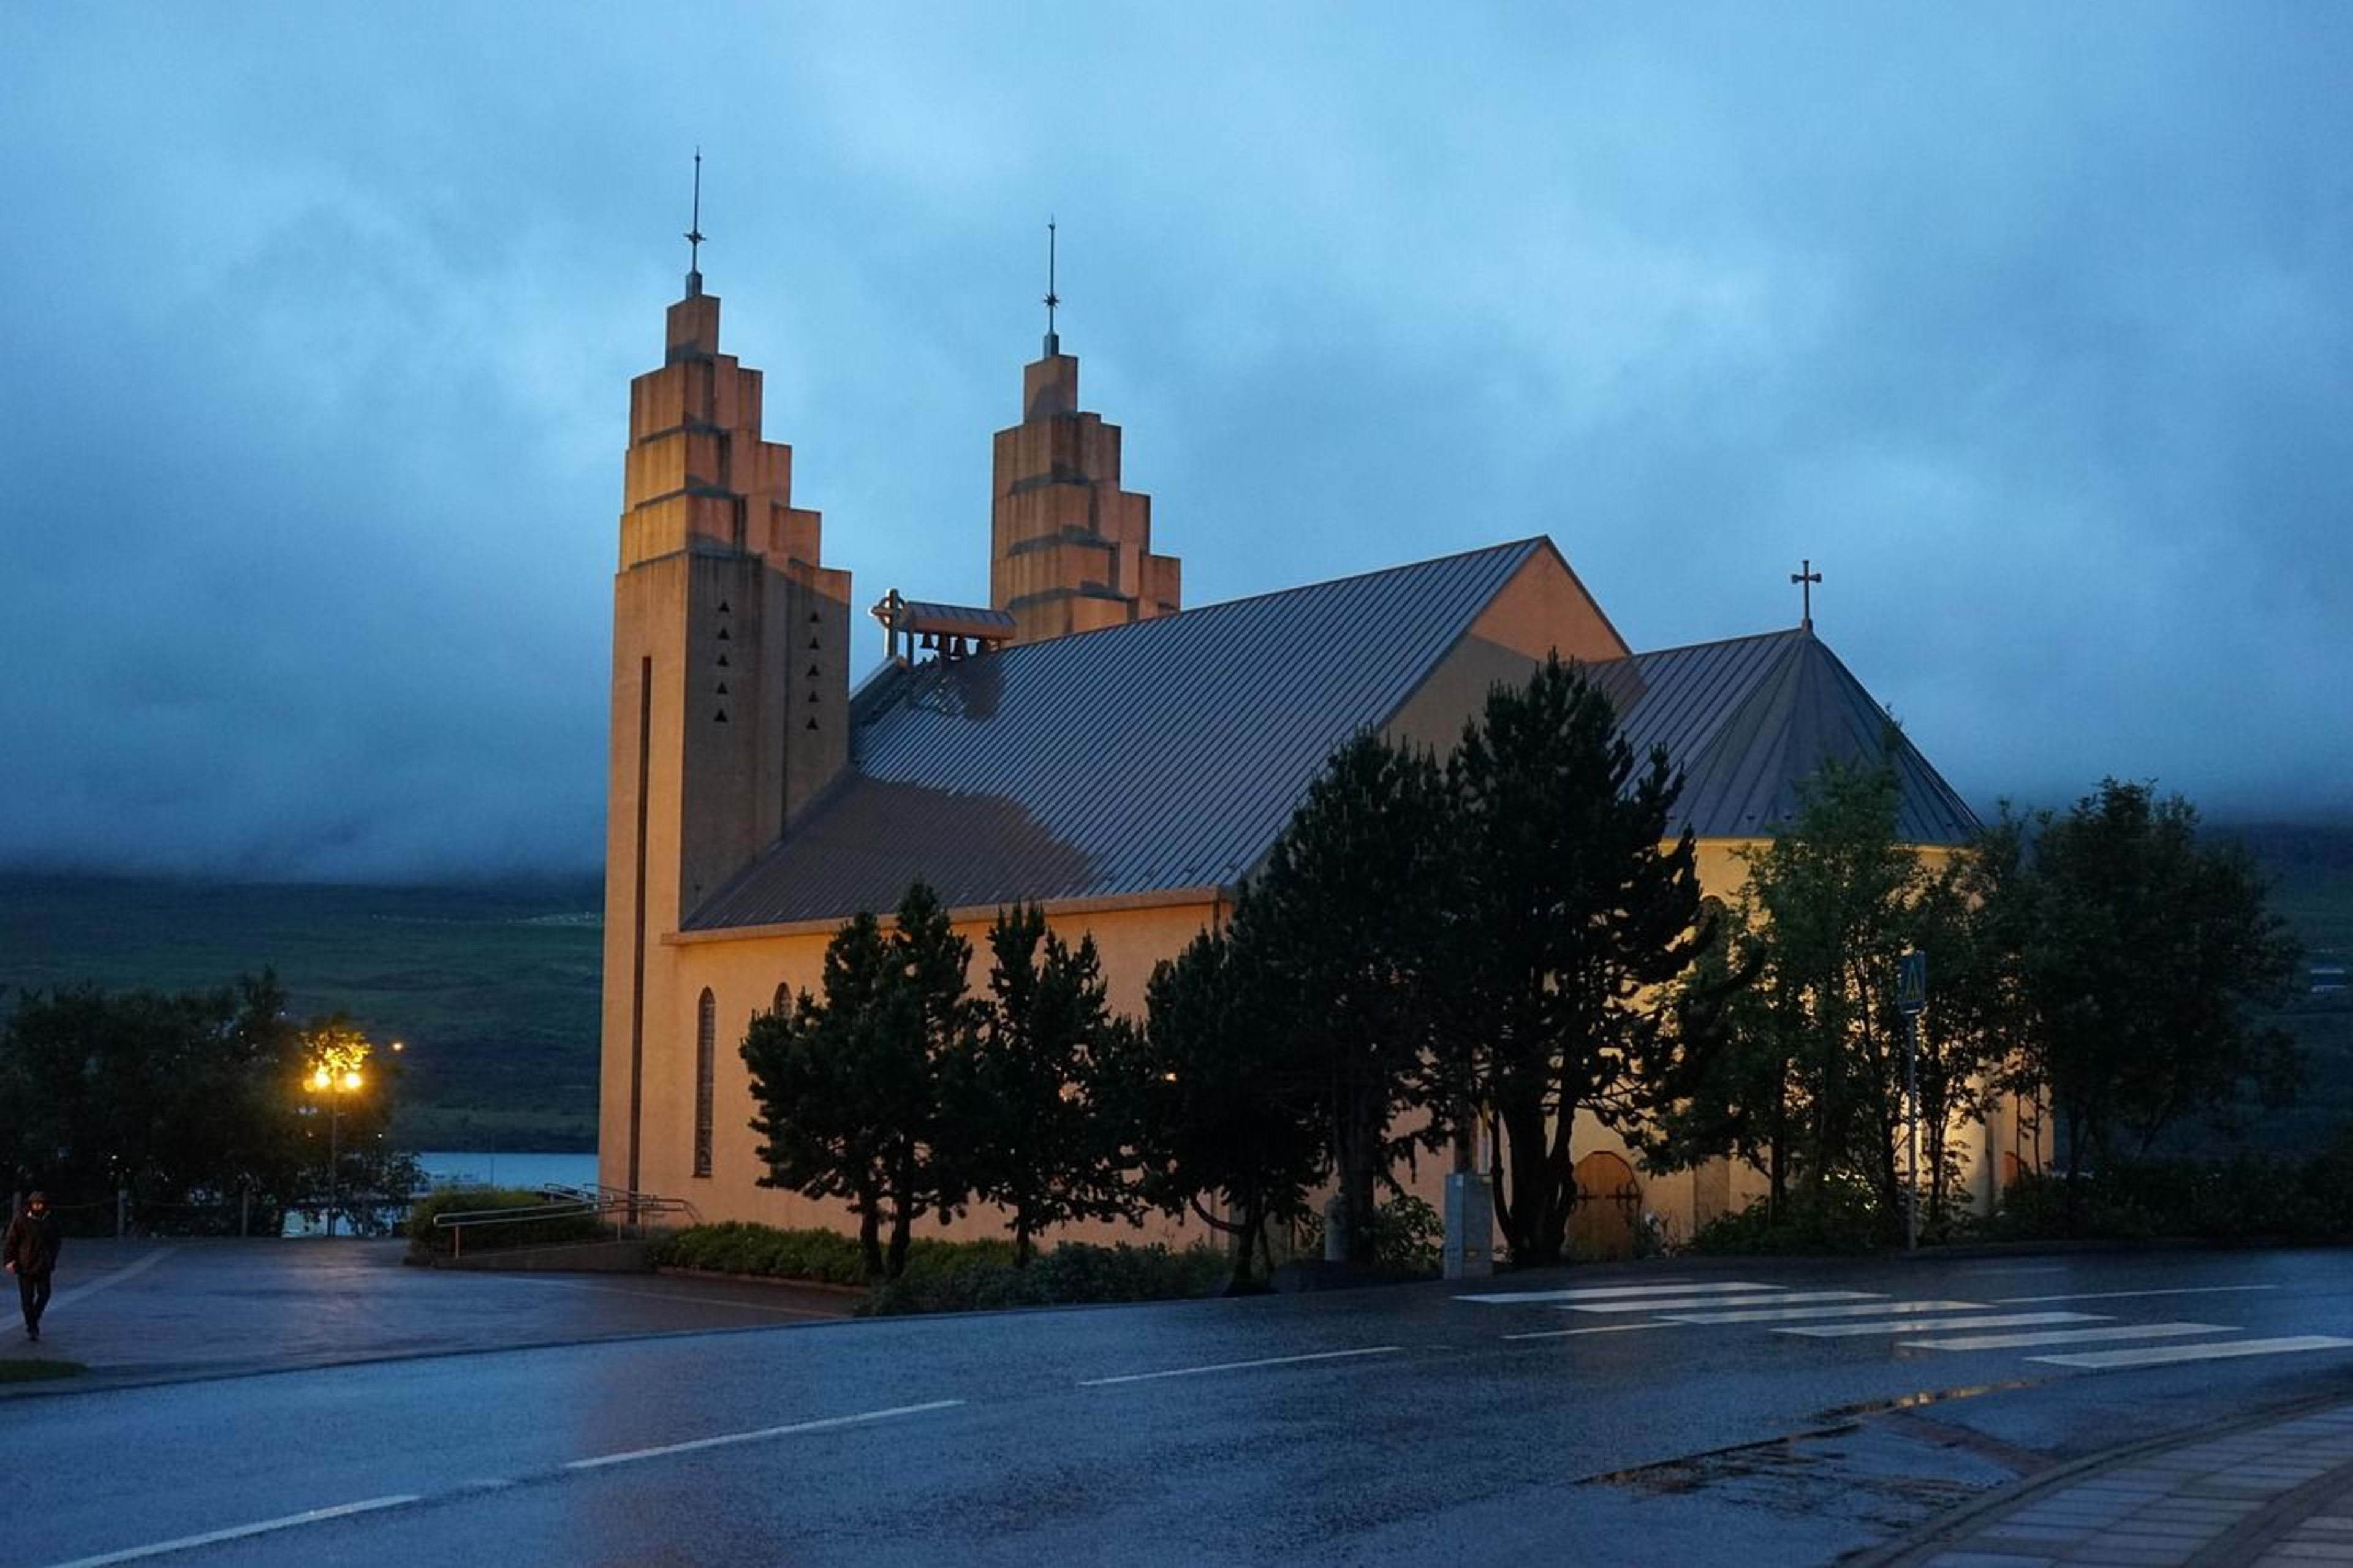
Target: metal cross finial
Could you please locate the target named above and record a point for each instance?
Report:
(1806, 577)
(1053, 341)
(694, 233)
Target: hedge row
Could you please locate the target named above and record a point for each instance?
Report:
(2309, 1199)
(1075, 1273)
(952, 1275)
(2252, 1196)
(738, 1248)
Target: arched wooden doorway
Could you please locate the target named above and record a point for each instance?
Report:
(1608, 1212)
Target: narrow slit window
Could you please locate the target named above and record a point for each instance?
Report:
(706, 1042)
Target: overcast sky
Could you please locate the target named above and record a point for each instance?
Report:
(2031, 326)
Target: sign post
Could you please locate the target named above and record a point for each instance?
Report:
(1911, 998)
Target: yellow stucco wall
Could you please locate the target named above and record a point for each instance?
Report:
(743, 971)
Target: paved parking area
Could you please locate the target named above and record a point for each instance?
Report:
(154, 1310)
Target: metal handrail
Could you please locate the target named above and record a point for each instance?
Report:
(562, 1202)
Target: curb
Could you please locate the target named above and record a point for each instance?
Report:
(778, 1280)
(1960, 1521)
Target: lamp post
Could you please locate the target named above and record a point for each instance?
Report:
(337, 1056)
(1911, 999)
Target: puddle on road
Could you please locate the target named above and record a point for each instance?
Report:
(1915, 1401)
(1882, 1477)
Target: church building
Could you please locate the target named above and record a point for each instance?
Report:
(1083, 741)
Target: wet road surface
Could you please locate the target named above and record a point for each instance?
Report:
(1681, 1412)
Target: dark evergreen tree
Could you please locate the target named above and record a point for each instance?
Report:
(850, 1087)
(1344, 923)
(1572, 917)
(1222, 1106)
(2144, 953)
(1035, 1135)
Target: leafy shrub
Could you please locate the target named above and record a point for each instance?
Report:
(425, 1237)
(1847, 1218)
(1408, 1235)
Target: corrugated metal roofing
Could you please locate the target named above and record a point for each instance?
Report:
(1164, 753)
(1168, 754)
(1749, 719)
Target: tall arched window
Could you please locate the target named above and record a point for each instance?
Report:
(783, 998)
(706, 1041)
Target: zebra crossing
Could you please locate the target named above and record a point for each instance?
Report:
(2067, 1336)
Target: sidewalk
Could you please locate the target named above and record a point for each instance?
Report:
(2273, 1492)
(161, 1309)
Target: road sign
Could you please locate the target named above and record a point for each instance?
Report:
(1912, 983)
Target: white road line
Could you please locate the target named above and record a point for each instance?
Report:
(1603, 1293)
(1236, 1365)
(765, 1431)
(1771, 1314)
(1596, 1329)
(2161, 1354)
(239, 1532)
(1697, 1304)
(2112, 1295)
(672, 1296)
(2070, 1336)
(139, 1265)
(1916, 1325)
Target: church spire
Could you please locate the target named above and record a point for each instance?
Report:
(1070, 551)
(1053, 339)
(695, 233)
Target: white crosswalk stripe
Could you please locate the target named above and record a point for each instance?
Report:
(1949, 1326)
(1695, 1303)
(1607, 1293)
(1783, 1314)
(2113, 1295)
(1919, 1325)
(2161, 1356)
(2068, 1336)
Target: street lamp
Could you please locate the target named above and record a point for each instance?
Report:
(337, 1057)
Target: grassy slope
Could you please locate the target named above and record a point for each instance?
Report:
(493, 989)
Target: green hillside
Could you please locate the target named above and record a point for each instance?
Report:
(493, 989)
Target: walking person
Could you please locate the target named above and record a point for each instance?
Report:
(31, 1255)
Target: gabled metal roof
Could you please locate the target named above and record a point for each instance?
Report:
(1164, 753)
(1168, 754)
(1749, 719)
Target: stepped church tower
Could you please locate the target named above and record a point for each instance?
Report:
(1068, 550)
(731, 677)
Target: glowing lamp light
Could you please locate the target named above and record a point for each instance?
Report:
(352, 1079)
(319, 1078)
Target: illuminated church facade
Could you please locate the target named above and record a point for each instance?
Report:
(1083, 741)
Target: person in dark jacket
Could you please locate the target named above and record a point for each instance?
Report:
(31, 1255)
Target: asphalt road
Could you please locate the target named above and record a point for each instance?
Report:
(1380, 1425)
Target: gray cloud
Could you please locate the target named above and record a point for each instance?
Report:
(2031, 330)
